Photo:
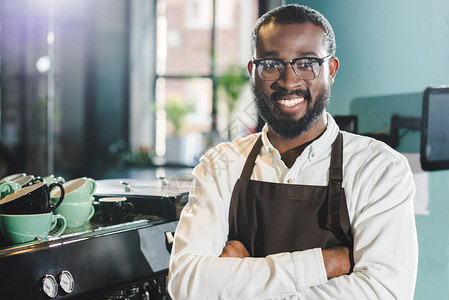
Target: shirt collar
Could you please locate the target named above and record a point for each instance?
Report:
(318, 146)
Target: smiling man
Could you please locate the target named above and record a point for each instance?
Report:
(301, 210)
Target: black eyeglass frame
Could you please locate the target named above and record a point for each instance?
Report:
(320, 61)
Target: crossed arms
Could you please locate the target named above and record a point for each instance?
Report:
(337, 261)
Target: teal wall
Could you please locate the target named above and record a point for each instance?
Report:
(390, 51)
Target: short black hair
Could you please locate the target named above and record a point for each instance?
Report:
(295, 14)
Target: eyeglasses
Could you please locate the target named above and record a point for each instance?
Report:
(306, 68)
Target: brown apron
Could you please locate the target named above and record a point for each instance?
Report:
(271, 218)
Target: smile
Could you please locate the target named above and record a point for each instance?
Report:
(291, 102)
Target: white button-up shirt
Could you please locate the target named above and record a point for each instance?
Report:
(379, 193)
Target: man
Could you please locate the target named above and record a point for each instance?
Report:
(301, 210)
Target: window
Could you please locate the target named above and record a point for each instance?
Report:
(191, 55)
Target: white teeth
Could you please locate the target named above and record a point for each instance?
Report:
(290, 102)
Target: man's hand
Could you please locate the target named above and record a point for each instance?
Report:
(338, 261)
(234, 249)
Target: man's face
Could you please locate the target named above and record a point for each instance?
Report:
(291, 105)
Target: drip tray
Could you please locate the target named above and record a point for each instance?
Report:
(96, 224)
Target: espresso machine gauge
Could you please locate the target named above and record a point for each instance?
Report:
(66, 282)
(50, 286)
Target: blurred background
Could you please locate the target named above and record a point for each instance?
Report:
(95, 88)
(120, 88)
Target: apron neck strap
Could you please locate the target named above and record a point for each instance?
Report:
(337, 207)
(251, 160)
(336, 171)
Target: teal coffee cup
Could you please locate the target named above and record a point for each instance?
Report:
(77, 190)
(77, 214)
(26, 228)
(8, 187)
(52, 179)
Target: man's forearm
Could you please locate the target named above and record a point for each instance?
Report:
(337, 261)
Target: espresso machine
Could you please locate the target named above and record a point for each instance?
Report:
(127, 260)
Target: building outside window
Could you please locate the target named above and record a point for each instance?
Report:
(193, 51)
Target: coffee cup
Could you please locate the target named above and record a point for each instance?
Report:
(114, 210)
(76, 214)
(8, 187)
(25, 228)
(12, 177)
(52, 179)
(77, 190)
(28, 180)
(34, 199)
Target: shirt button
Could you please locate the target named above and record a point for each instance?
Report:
(273, 152)
(290, 181)
(313, 154)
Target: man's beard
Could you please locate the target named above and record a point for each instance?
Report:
(283, 123)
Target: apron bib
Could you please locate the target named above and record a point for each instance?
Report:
(271, 218)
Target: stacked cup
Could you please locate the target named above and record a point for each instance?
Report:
(8, 187)
(52, 179)
(26, 213)
(13, 183)
(77, 207)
